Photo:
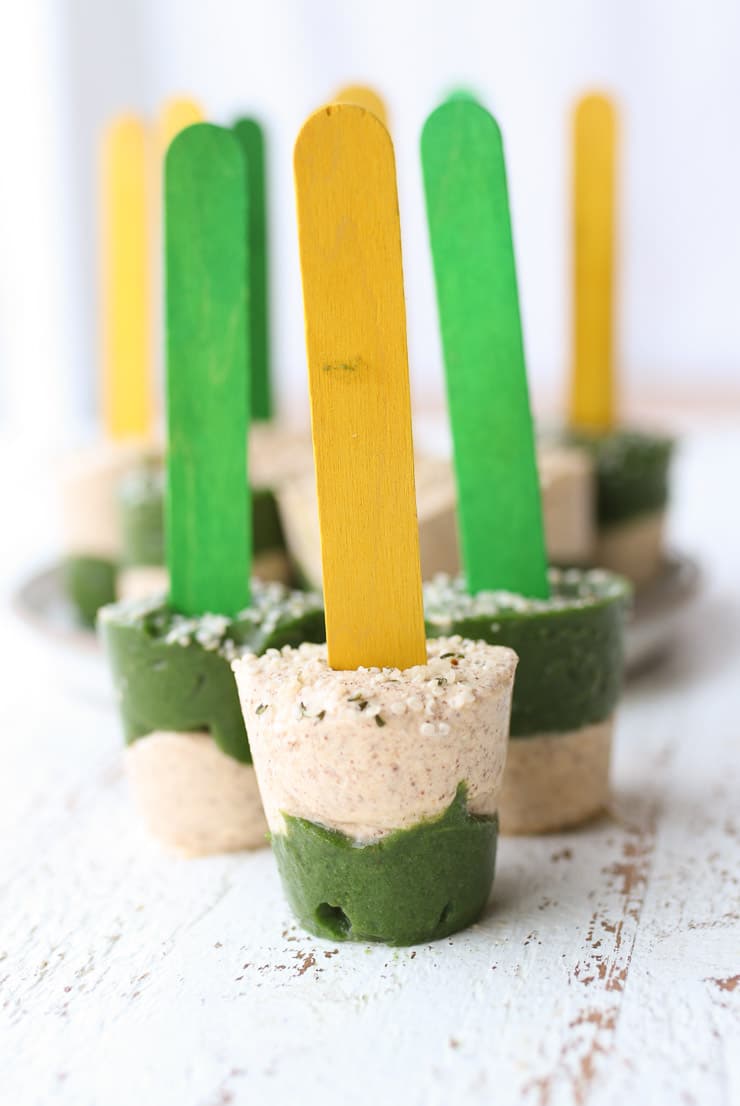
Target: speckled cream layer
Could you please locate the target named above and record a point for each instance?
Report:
(88, 485)
(373, 750)
(556, 781)
(194, 798)
(142, 581)
(633, 548)
(568, 504)
(566, 478)
(435, 498)
(278, 453)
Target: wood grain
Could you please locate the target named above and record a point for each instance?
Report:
(208, 509)
(499, 509)
(126, 285)
(593, 384)
(350, 249)
(250, 134)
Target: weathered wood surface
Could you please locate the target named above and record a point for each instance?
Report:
(607, 970)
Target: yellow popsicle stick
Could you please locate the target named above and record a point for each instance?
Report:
(177, 113)
(350, 248)
(593, 383)
(126, 290)
(363, 97)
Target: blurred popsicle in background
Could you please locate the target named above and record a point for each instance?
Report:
(364, 97)
(126, 280)
(593, 380)
(631, 466)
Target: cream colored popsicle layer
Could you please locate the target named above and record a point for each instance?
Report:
(193, 797)
(90, 519)
(277, 453)
(634, 547)
(370, 751)
(556, 781)
(566, 479)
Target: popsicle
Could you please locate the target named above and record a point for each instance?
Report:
(95, 531)
(188, 755)
(276, 451)
(91, 530)
(379, 756)
(632, 466)
(566, 627)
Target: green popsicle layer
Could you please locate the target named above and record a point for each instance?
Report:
(89, 583)
(141, 504)
(632, 472)
(569, 646)
(141, 511)
(173, 673)
(414, 885)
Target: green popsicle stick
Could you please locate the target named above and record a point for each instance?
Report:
(208, 500)
(499, 507)
(456, 94)
(251, 136)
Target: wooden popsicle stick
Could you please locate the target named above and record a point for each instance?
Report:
(461, 94)
(593, 385)
(126, 288)
(364, 97)
(499, 508)
(177, 113)
(350, 248)
(251, 136)
(208, 498)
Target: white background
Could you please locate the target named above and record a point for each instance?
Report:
(66, 66)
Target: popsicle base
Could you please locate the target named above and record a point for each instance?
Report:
(195, 799)
(556, 781)
(410, 886)
(634, 548)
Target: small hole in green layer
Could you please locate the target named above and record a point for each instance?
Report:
(445, 914)
(333, 918)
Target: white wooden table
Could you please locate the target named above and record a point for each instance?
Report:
(606, 971)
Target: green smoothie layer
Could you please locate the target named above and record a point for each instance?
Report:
(267, 529)
(89, 583)
(141, 506)
(632, 471)
(174, 673)
(141, 503)
(414, 885)
(569, 646)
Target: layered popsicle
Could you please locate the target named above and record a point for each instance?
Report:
(568, 683)
(632, 466)
(379, 758)
(187, 747)
(565, 625)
